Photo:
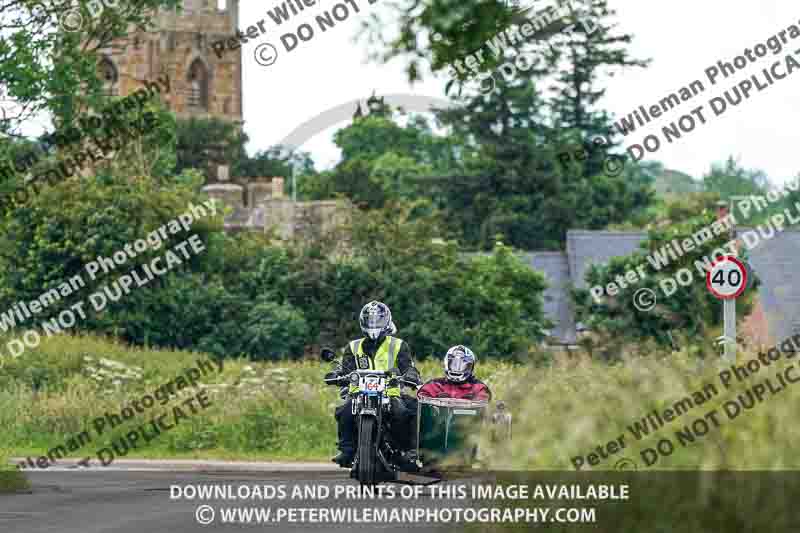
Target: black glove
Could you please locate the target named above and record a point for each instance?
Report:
(335, 373)
(412, 376)
(332, 378)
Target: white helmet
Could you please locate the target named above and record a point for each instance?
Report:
(376, 320)
(459, 363)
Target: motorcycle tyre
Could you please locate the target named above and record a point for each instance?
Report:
(367, 452)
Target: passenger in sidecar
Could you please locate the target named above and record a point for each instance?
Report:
(452, 411)
(459, 380)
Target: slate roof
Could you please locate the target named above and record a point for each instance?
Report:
(557, 301)
(594, 247)
(775, 261)
(565, 269)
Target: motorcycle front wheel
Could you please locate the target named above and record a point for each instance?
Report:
(367, 451)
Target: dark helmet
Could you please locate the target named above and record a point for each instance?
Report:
(459, 363)
(376, 320)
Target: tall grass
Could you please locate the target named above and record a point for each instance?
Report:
(264, 411)
(568, 411)
(282, 410)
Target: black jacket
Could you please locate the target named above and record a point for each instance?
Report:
(403, 361)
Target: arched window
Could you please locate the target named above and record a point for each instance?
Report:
(198, 85)
(108, 76)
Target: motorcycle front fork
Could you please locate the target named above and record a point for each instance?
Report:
(355, 405)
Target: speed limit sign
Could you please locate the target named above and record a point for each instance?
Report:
(727, 278)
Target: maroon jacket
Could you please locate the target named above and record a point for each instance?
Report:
(472, 389)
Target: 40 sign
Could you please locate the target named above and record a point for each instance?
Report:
(727, 278)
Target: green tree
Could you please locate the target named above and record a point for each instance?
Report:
(47, 70)
(206, 303)
(581, 60)
(398, 175)
(317, 186)
(371, 137)
(274, 161)
(150, 150)
(383, 161)
(690, 312)
(438, 296)
(15, 154)
(204, 143)
(511, 182)
(442, 33)
(730, 179)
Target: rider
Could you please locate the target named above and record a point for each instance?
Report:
(459, 380)
(379, 350)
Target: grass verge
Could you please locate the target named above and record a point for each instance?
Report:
(281, 411)
(52, 396)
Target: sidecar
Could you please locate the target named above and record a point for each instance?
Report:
(449, 429)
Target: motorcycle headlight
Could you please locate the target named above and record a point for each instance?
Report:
(354, 379)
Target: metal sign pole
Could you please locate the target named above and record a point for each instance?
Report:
(729, 306)
(729, 317)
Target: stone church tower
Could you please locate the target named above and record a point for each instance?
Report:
(202, 84)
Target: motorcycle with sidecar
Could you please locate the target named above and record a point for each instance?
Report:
(447, 428)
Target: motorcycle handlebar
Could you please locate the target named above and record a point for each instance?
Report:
(345, 380)
(412, 384)
(381, 373)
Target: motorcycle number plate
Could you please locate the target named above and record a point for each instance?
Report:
(371, 385)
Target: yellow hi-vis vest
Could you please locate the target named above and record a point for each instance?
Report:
(384, 359)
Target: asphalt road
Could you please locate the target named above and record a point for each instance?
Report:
(137, 497)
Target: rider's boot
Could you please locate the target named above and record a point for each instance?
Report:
(409, 459)
(345, 458)
(345, 426)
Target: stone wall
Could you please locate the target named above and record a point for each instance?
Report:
(313, 220)
(269, 211)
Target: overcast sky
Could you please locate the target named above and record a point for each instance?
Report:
(683, 37)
